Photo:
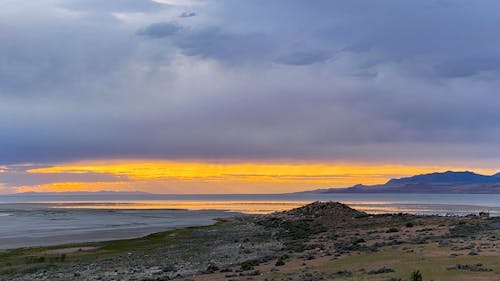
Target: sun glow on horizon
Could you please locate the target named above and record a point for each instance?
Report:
(214, 177)
(74, 187)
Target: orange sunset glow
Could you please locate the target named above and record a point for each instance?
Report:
(206, 177)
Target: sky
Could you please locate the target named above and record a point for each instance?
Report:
(215, 96)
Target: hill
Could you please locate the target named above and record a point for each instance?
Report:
(447, 182)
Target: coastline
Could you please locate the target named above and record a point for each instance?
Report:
(51, 223)
(45, 226)
(320, 240)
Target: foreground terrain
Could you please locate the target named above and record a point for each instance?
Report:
(319, 241)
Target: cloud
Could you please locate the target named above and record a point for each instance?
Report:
(16, 176)
(468, 67)
(110, 6)
(419, 85)
(222, 45)
(304, 58)
(187, 14)
(160, 30)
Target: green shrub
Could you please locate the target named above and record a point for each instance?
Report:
(212, 268)
(409, 224)
(416, 276)
(280, 262)
(34, 259)
(247, 265)
(392, 230)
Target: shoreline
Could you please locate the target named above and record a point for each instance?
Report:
(319, 240)
(83, 238)
(53, 226)
(111, 235)
(129, 223)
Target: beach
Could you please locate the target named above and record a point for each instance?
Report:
(24, 225)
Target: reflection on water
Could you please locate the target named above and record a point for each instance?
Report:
(46, 220)
(248, 207)
(264, 207)
(459, 204)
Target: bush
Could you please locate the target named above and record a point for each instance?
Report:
(169, 268)
(248, 265)
(212, 268)
(416, 276)
(34, 259)
(359, 240)
(280, 262)
(392, 230)
(409, 224)
(381, 270)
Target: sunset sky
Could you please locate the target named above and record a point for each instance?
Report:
(214, 96)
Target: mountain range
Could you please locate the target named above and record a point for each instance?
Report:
(447, 182)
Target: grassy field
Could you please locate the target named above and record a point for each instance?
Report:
(29, 260)
(430, 260)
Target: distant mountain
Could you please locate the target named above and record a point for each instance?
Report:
(448, 177)
(447, 182)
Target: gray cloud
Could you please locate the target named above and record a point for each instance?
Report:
(304, 58)
(419, 84)
(212, 42)
(160, 30)
(187, 14)
(468, 67)
(114, 5)
(16, 176)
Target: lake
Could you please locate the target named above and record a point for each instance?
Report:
(45, 220)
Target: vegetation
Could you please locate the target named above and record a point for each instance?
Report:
(392, 230)
(416, 276)
(248, 265)
(344, 248)
(429, 259)
(31, 260)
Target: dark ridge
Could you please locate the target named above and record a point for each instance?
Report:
(449, 182)
(449, 177)
(333, 210)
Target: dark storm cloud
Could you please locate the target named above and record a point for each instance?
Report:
(49, 59)
(187, 14)
(330, 80)
(160, 30)
(463, 67)
(213, 42)
(304, 58)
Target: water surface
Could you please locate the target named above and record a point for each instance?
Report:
(47, 220)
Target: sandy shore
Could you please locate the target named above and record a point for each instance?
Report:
(90, 236)
(39, 225)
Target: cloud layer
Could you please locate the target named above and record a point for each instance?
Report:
(381, 81)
